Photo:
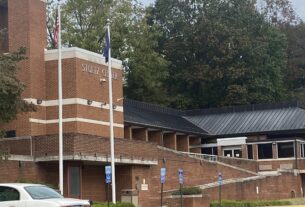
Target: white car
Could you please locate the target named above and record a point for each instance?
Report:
(34, 195)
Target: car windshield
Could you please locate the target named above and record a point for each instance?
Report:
(42, 192)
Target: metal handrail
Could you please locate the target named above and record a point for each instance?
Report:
(212, 158)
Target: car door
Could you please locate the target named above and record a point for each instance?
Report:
(9, 197)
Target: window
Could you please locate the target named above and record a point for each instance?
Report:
(209, 150)
(265, 151)
(227, 153)
(3, 25)
(250, 152)
(232, 152)
(8, 194)
(42, 192)
(10, 134)
(285, 149)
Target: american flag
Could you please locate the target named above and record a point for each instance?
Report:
(56, 30)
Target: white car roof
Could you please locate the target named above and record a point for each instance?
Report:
(19, 184)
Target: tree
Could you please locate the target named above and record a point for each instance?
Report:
(221, 52)
(295, 72)
(11, 102)
(132, 41)
(50, 22)
(278, 12)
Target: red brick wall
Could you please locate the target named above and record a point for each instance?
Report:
(195, 172)
(93, 145)
(12, 171)
(79, 84)
(251, 165)
(170, 140)
(26, 28)
(276, 187)
(183, 143)
(16, 146)
(156, 137)
(140, 134)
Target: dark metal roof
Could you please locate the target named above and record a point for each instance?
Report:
(226, 121)
(150, 115)
(249, 119)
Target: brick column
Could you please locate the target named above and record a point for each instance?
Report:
(140, 134)
(274, 150)
(128, 132)
(297, 150)
(27, 28)
(155, 136)
(255, 151)
(183, 143)
(170, 140)
(244, 151)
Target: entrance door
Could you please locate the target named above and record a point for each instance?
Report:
(303, 184)
(74, 180)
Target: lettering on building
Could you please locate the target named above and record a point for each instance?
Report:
(95, 70)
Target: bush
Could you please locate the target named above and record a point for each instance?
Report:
(112, 205)
(188, 191)
(232, 203)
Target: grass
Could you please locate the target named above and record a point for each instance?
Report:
(112, 205)
(232, 203)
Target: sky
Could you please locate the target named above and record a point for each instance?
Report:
(298, 5)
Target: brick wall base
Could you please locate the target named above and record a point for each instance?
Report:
(285, 185)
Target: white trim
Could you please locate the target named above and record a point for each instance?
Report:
(91, 121)
(208, 145)
(275, 141)
(75, 52)
(24, 158)
(72, 101)
(231, 141)
(98, 159)
(276, 159)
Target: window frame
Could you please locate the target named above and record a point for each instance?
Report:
(278, 151)
(265, 143)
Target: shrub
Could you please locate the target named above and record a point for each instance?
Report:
(112, 205)
(232, 203)
(188, 191)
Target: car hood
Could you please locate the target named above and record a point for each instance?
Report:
(68, 201)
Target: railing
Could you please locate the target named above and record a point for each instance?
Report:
(211, 158)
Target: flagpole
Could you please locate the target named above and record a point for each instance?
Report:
(60, 131)
(111, 119)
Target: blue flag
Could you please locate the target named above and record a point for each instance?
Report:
(107, 47)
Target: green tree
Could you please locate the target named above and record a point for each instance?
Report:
(277, 12)
(132, 41)
(295, 72)
(50, 22)
(221, 52)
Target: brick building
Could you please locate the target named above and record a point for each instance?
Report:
(255, 147)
